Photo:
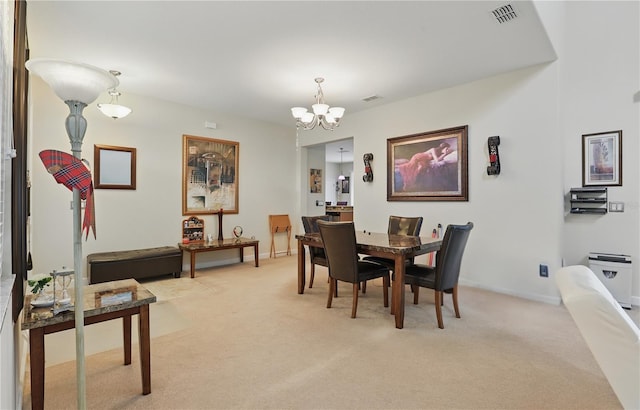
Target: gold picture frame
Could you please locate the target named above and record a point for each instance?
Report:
(209, 175)
(430, 166)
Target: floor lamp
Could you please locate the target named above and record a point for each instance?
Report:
(77, 85)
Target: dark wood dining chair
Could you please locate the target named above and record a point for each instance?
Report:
(339, 239)
(399, 225)
(443, 278)
(316, 255)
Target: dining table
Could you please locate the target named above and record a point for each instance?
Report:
(398, 248)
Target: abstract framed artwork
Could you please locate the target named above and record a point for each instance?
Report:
(602, 159)
(430, 166)
(115, 167)
(345, 185)
(315, 181)
(209, 175)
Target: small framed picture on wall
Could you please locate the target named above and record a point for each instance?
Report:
(602, 159)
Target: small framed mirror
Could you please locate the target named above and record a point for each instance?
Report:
(115, 167)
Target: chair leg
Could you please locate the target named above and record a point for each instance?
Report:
(438, 303)
(355, 301)
(455, 301)
(385, 290)
(364, 287)
(332, 284)
(313, 274)
(416, 293)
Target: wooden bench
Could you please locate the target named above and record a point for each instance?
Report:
(134, 264)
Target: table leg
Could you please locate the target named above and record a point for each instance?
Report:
(398, 291)
(255, 255)
(241, 254)
(145, 348)
(301, 266)
(126, 332)
(36, 359)
(192, 265)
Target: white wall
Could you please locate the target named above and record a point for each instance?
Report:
(539, 113)
(151, 215)
(598, 80)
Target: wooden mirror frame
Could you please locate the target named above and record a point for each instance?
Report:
(115, 167)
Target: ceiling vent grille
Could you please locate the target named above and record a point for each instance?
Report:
(371, 98)
(505, 13)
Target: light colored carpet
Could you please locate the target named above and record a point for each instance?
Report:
(240, 337)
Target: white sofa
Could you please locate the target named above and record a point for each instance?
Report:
(611, 335)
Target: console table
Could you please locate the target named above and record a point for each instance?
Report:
(102, 302)
(216, 245)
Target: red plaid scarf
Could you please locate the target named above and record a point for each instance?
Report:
(72, 173)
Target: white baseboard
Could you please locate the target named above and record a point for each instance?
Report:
(554, 300)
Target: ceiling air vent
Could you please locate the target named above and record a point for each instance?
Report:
(371, 98)
(505, 13)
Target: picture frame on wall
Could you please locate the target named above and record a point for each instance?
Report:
(345, 185)
(210, 175)
(602, 159)
(315, 181)
(115, 167)
(430, 166)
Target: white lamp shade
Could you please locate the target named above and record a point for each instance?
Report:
(307, 117)
(298, 112)
(320, 109)
(336, 112)
(330, 119)
(341, 177)
(114, 111)
(73, 81)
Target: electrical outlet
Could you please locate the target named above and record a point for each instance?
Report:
(544, 271)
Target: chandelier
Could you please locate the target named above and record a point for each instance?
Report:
(327, 117)
(113, 109)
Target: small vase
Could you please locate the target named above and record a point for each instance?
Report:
(42, 299)
(220, 237)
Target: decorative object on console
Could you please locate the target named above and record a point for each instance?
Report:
(37, 288)
(209, 175)
(77, 85)
(193, 229)
(113, 109)
(61, 298)
(368, 176)
(220, 213)
(237, 231)
(328, 118)
(430, 166)
(602, 159)
(494, 156)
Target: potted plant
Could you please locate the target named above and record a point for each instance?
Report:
(37, 287)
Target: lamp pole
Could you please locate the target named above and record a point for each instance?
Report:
(76, 126)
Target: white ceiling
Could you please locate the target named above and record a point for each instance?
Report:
(259, 58)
